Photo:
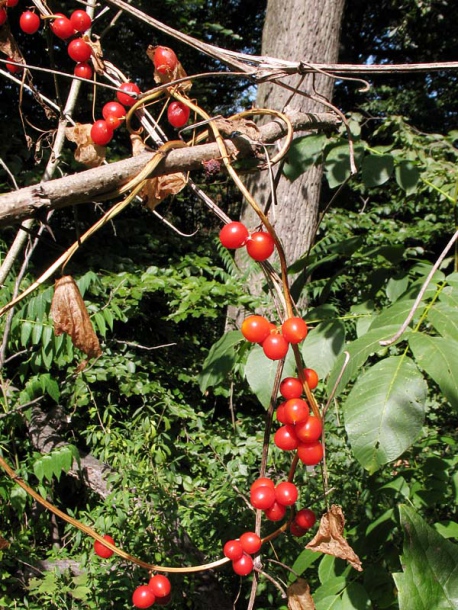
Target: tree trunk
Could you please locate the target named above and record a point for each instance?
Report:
(306, 30)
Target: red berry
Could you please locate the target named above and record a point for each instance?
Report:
(286, 493)
(260, 246)
(160, 585)
(79, 50)
(178, 114)
(143, 597)
(310, 430)
(113, 112)
(3, 16)
(280, 413)
(233, 549)
(262, 497)
(103, 551)
(305, 518)
(251, 542)
(275, 346)
(291, 387)
(29, 22)
(276, 512)
(62, 27)
(101, 132)
(285, 438)
(262, 482)
(310, 453)
(233, 235)
(81, 21)
(243, 566)
(294, 330)
(296, 530)
(256, 329)
(11, 3)
(13, 68)
(83, 70)
(311, 377)
(123, 96)
(164, 59)
(296, 410)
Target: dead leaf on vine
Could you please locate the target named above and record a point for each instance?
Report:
(4, 544)
(245, 127)
(171, 75)
(330, 540)
(70, 316)
(158, 188)
(299, 597)
(86, 152)
(8, 44)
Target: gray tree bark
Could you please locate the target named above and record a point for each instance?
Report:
(306, 30)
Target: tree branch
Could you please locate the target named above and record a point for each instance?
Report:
(35, 201)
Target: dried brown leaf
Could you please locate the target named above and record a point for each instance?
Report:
(299, 597)
(4, 544)
(8, 44)
(158, 188)
(70, 316)
(246, 127)
(86, 152)
(329, 538)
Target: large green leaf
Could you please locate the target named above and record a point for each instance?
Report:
(323, 345)
(260, 373)
(220, 360)
(407, 176)
(377, 169)
(396, 313)
(359, 351)
(337, 164)
(430, 567)
(438, 357)
(303, 153)
(385, 410)
(444, 318)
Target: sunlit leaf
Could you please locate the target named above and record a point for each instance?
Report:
(377, 169)
(220, 360)
(385, 410)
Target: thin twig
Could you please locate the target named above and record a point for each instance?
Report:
(421, 294)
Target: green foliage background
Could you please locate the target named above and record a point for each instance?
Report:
(180, 423)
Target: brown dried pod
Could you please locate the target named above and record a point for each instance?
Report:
(70, 316)
(329, 538)
(299, 597)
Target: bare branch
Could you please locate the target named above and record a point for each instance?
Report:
(35, 201)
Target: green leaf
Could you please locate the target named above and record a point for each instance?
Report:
(407, 176)
(438, 357)
(337, 164)
(396, 314)
(447, 529)
(377, 169)
(359, 351)
(355, 597)
(304, 561)
(220, 360)
(26, 331)
(384, 412)
(302, 154)
(430, 567)
(260, 373)
(444, 318)
(323, 345)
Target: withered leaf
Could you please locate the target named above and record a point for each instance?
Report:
(329, 538)
(4, 544)
(70, 316)
(8, 44)
(299, 597)
(158, 188)
(86, 152)
(245, 126)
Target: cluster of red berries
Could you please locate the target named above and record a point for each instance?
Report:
(275, 342)
(239, 552)
(157, 591)
(259, 245)
(273, 499)
(300, 429)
